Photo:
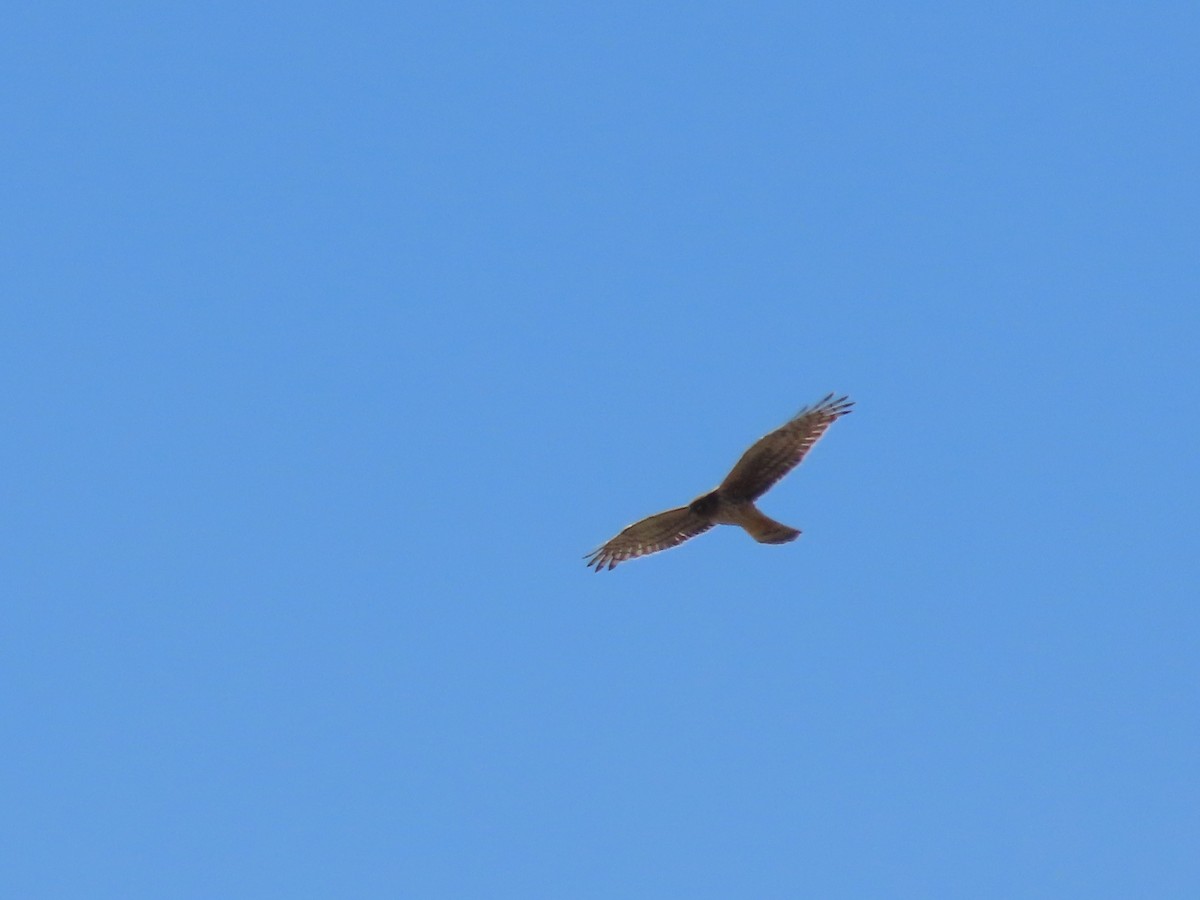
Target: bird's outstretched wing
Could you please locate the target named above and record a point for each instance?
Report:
(773, 456)
(657, 532)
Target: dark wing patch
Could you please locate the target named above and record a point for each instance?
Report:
(776, 454)
(657, 532)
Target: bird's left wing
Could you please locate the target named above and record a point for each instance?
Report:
(657, 532)
(773, 456)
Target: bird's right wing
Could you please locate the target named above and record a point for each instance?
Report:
(657, 532)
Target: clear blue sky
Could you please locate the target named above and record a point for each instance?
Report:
(335, 335)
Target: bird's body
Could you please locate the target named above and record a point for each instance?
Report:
(731, 502)
(718, 509)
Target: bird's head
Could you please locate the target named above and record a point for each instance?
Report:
(706, 504)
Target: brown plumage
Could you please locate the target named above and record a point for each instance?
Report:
(732, 502)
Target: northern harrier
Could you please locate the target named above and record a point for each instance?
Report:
(732, 503)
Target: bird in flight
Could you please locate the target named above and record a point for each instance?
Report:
(732, 502)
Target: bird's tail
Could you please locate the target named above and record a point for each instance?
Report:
(764, 529)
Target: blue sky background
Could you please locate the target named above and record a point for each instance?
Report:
(335, 334)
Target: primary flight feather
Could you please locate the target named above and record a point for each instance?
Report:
(732, 502)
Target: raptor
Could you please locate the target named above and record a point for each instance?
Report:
(732, 501)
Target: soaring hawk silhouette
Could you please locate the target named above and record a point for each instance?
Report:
(732, 503)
